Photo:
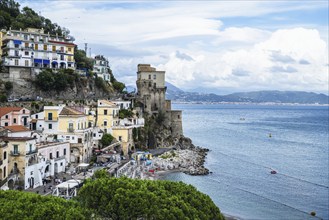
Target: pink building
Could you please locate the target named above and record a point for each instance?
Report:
(14, 116)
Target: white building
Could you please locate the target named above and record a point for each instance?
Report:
(34, 48)
(101, 68)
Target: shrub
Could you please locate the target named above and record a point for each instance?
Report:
(106, 140)
(8, 86)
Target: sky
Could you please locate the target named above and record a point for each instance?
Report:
(204, 46)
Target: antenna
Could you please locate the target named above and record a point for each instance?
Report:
(86, 46)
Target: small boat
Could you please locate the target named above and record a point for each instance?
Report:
(273, 172)
(269, 135)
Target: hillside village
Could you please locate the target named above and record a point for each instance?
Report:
(63, 113)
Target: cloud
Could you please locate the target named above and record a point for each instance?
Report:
(240, 72)
(183, 56)
(304, 62)
(277, 56)
(281, 69)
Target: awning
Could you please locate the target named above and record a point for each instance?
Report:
(17, 41)
(46, 61)
(38, 61)
(54, 62)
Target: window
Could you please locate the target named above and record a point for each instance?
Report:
(120, 138)
(50, 116)
(26, 63)
(79, 140)
(154, 76)
(44, 47)
(69, 65)
(16, 53)
(61, 163)
(5, 155)
(30, 148)
(26, 45)
(70, 126)
(16, 45)
(15, 121)
(62, 57)
(25, 37)
(105, 123)
(54, 48)
(50, 155)
(36, 46)
(64, 151)
(62, 49)
(15, 149)
(26, 53)
(23, 111)
(57, 154)
(16, 62)
(105, 131)
(6, 123)
(70, 49)
(150, 76)
(178, 116)
(6, 116)
(36, 116)
(105, 112)
(50, 126)
(94, 134)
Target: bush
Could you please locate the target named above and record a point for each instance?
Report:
(118, 86)
(106, 140)
(8, 86)
(3, 98)
(125, 113)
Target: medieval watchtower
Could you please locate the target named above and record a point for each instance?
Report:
(151, 88)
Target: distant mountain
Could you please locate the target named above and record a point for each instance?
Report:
(177, 94)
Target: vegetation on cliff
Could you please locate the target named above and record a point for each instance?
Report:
(12, 16)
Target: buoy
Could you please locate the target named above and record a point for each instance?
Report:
(313, 213)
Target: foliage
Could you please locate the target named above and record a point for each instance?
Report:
(118, 86)
(125, 113)
(82, 61)
(160, 117)
(3, 98)
(107, 139)
(48, 80)
(100, 83)
(8, 85)
(11, 16)
(102, 173)
(24, 205)
(123, 198)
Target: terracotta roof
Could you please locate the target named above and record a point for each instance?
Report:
(107, 103)
(6, 110)
(70, 111)
(16, 128)
(17, 138)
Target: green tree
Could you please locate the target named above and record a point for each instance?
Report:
(123, 198)
(125, 113)
(118, 86)
(106, 139)
(45, 80)
(82, 61)
(24, 205)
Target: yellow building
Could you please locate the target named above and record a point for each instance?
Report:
(107, 115)
(124, 134)
(73, 127)
(22, 153)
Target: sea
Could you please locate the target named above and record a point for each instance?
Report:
(246, 143)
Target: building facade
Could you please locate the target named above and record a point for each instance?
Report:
(14, 116)
(32, 48)
(102, 68)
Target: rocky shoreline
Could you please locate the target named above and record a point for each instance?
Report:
(184, 157)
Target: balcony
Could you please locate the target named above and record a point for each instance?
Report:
(70, 130)
(15, 153)
(51, 118)
(59, 158)
(34, 151)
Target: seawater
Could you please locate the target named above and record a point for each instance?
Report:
(246, 142)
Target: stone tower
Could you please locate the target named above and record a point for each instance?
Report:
(151, 94)
(151, 88)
